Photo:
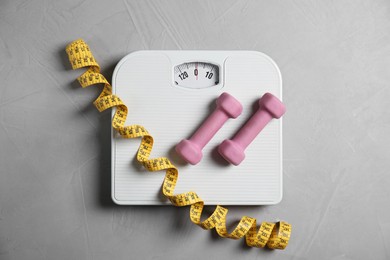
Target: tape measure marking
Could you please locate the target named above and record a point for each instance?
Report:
(272, 235)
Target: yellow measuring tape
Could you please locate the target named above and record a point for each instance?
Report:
(274, 235)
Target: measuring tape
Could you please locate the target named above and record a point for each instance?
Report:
(272, 235)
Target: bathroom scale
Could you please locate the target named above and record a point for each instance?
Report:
(171, 93)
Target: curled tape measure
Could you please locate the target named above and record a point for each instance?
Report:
(272, 235)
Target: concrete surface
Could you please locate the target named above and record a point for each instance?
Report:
(55, 165)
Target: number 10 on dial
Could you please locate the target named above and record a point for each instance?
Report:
(196, 75)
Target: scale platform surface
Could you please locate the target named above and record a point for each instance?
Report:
(171, 106)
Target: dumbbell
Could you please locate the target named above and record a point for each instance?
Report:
(191, 149)
(269, 107)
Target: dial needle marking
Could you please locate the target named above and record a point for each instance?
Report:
(196, 68)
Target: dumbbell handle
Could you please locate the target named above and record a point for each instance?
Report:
(209, 127)
(252, 127)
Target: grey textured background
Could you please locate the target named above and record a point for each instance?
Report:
(55, 165)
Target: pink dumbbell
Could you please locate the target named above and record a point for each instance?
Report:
(227, 107)
(269, 107)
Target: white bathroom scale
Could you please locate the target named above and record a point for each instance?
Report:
(171, 93)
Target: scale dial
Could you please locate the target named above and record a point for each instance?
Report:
(196, 75)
